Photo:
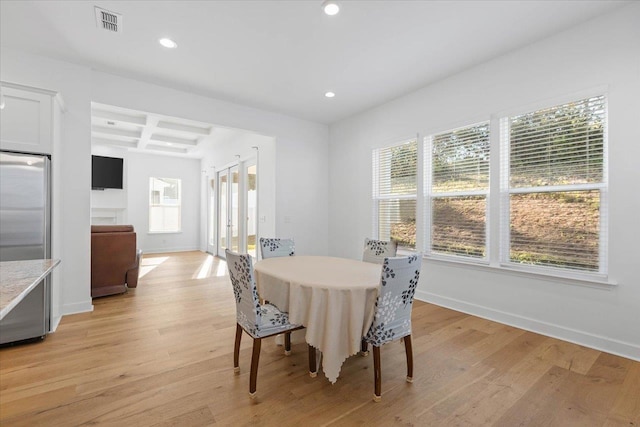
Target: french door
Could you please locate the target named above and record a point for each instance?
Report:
(212, 216)
(236, 199)
(228, 209)
(251, 202)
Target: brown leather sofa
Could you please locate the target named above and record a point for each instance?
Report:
(115, 262)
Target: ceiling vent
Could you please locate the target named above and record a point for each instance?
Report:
(109, 21)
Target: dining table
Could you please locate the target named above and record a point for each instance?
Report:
(333, 298)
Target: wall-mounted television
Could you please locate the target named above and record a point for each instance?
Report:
(106, 172)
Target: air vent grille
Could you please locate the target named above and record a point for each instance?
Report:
(109, 21)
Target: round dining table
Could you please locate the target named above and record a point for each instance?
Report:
(333, 298)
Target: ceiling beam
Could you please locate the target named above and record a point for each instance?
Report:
(115, 131)
(117, 117)
(173, 140)
(119, 143)
(166, 149)
(184, 128)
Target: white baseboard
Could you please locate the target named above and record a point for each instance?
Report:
(619, 348)
(54, 322)
(78, 307)
(165, 250)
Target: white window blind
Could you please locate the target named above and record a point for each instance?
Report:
(554, 187)
(164, 205)
(456, 191)
(394, 193)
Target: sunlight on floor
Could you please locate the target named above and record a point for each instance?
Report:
(148, 264)
(206, 269)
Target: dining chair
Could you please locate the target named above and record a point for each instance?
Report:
(258, 320)
(392, 315)
(274, 247)
(376, 251)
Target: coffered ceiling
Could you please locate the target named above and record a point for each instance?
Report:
(114, 126)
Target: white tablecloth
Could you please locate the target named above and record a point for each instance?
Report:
(333, 298)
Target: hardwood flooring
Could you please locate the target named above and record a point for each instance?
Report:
(162, 354)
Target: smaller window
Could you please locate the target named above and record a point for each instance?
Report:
(394, 193)
(164, 205)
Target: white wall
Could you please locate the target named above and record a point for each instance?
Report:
(141, 167)
(602, 53)
(302, 146)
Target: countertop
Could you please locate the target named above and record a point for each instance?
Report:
(18, 278)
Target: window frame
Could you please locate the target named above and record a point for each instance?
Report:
(594, 277)
(162, 205)
(496, 201)
(429, 196)
(376, 197)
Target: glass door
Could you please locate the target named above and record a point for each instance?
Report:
(251, 179)
(223, 211)
(211, 215)
(237, 199)
(234, 209)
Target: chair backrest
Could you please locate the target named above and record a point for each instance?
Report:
(392, 318)
(376, 251)
(270, 248)
(244, 289)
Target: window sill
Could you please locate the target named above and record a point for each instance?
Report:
(590, 280)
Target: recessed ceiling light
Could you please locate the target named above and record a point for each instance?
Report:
(329, 94)
(330, 7)
(168, 43)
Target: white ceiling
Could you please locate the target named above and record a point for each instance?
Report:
(284, 55)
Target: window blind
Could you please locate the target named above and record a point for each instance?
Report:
(554, 173)
(457, 191)
(394, 193)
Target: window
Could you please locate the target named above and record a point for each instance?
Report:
(394, 193)
(164, 205)
(456, 189)
(554, 187)
(548, 171)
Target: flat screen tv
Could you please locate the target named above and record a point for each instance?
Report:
(106, 172)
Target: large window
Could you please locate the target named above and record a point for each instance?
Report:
(164, 205)
(394, 193)
(547, 171)
(554, 186)
(456, 191)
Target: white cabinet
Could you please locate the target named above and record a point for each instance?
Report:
(26, 121)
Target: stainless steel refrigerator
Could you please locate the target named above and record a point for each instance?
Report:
(25, 233)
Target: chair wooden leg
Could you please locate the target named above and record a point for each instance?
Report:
(255, 358)
(364, 348)
(409, 350)
(377, 374)
(236, 349)
(287, 343)
(313, 367)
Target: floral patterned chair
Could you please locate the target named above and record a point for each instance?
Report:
(257, 320)
(270, 248)
(376, 251)
(392, 318)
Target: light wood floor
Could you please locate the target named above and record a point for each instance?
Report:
(162, 355)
